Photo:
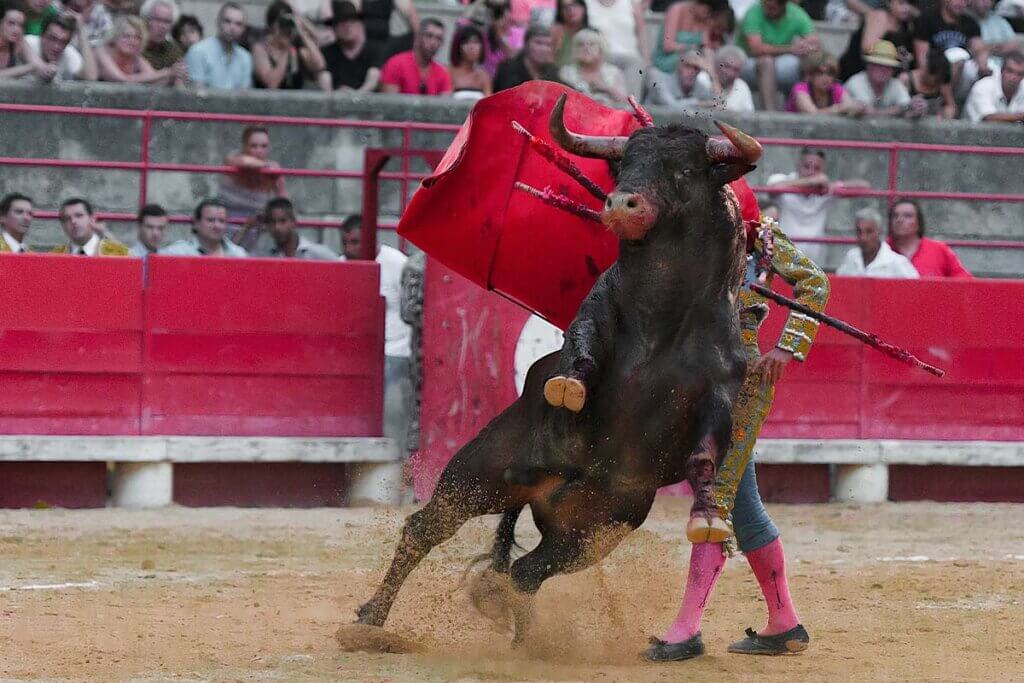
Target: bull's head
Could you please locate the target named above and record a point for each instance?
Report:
(664, 172)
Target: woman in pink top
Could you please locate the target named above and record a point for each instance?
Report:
(820, 92)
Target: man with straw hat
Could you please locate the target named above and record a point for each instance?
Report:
(878, 88)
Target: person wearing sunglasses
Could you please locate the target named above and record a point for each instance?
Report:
(416, 72)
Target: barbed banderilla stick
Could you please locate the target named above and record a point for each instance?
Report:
(871, 340)
(560, 201)
(561, 161)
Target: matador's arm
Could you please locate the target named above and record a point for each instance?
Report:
(810, 287)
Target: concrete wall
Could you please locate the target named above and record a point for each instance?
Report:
(72, 137)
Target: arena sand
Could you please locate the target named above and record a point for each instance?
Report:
(890, 592)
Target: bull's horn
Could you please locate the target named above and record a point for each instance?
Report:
(737, 147)
(596, 146)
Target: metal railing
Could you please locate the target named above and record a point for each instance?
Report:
(146, 165)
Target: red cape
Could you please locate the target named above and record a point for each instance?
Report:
(469, 216)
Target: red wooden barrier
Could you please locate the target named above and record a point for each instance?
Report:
(263, 347)
(70, 345)
(971, 328)
(210, 347)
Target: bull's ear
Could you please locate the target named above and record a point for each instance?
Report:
(722, 174)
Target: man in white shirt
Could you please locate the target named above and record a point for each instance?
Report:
(688, 87)
(999, 97)
(731, 92)
(63, 61)
(397, 333)
(872, 257)
(209, 230)
(803, 208)
(15, 220)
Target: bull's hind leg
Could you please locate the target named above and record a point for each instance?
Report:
(434, 524)
(471, 485)
(559, 552)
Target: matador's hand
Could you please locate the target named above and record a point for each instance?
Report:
(771, 366)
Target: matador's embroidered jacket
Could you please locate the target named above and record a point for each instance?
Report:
(810, 287)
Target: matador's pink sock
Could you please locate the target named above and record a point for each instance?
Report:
(769, 565)
(706, 564)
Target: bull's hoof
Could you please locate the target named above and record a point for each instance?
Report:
(491, 595)
(365, 638)
(710, 529)
(565, 392)
(368, 615)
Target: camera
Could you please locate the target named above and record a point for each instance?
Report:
(286, 22)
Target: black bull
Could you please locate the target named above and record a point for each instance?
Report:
(650, 369)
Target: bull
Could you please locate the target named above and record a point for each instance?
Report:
(639, 397)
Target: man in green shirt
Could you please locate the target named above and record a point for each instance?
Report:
(776, 34)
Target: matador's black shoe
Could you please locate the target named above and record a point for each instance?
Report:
(660, 651)
(792, 641)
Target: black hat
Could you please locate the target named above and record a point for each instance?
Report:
(344, 11)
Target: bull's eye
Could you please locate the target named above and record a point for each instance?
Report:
(684, 174)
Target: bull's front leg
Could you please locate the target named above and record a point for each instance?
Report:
(714, 422)
(585, 349)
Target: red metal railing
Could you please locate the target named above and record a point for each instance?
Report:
(145, 165)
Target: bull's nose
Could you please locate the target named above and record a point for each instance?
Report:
(623, 201)
(628, 214)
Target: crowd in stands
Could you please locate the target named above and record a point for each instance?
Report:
(907, 58)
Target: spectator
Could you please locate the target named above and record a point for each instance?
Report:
(622, 24)
(996, 32)
(152, 223)
(503, 39)
(731, 93)
(685, 28)
(397, 377)
(929, 257)
(820, 92)
(15, 221)
(803, 208)
(287, 242)
(721, 28)
(352, 61)
(892, 22)
(690, 86)
(379, 16)
(530, 12)
(277, 63)
(415, 72)
(352, 238)
(534, 63)
(187, 31)
(15, 57)
(775, 33)
(590, 73)
(161, 51)
(121, 61)
(98, 21)
(932, 81)
(999, 98)
(570, 18)
(36, 14)
(1013, 11)
(209, 227)
(946, 25)
(219, 61)
(63, 61)
(245, 192)
(465, 64)
(877, 88)
(84, 232)
(412, 314)
(872, 257)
